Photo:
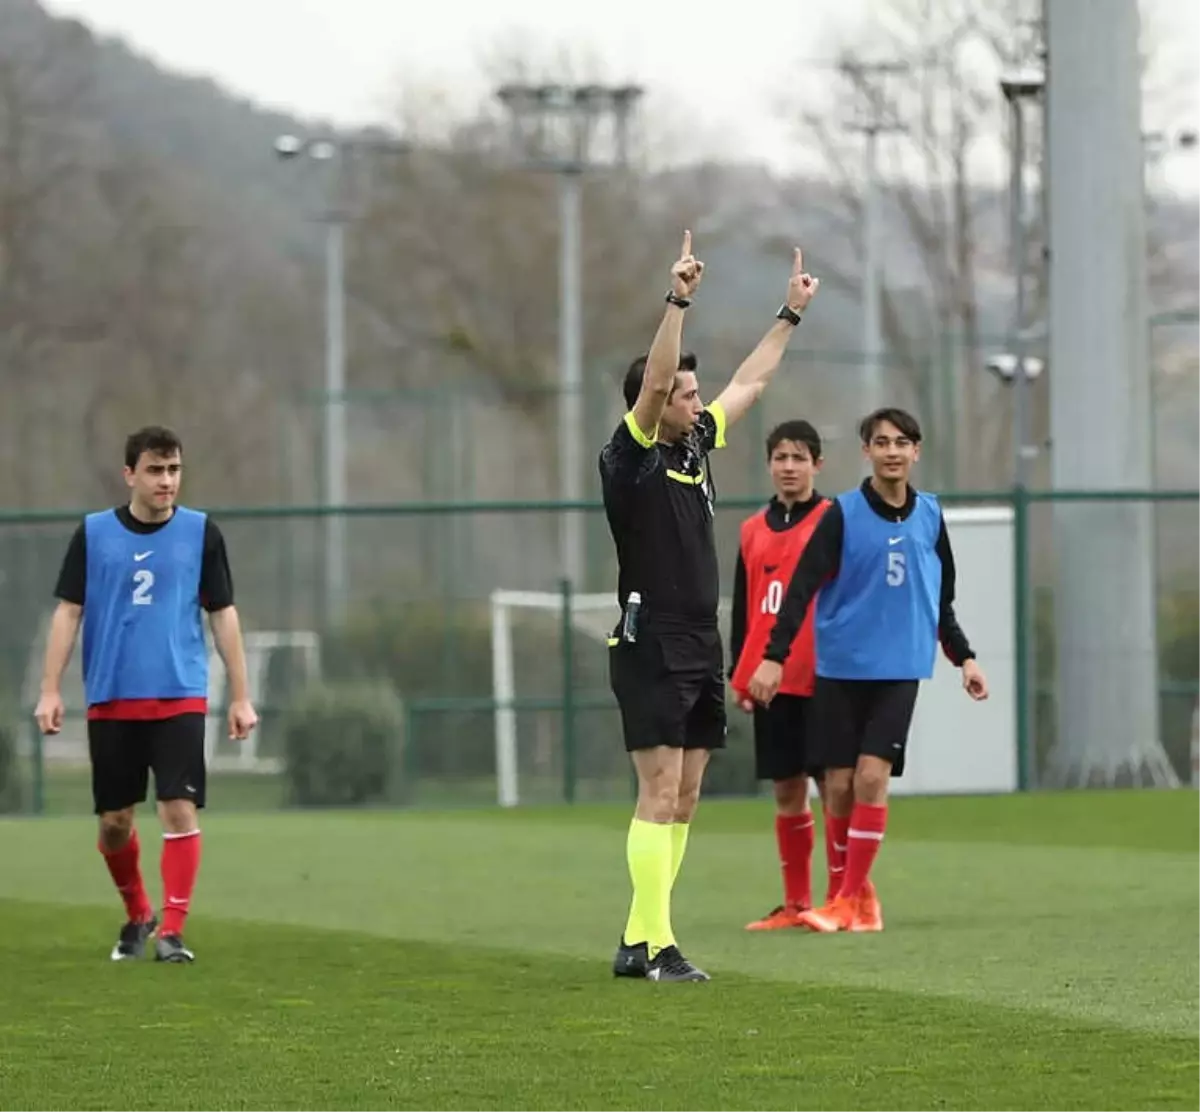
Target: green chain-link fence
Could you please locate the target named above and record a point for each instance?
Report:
(403, 688)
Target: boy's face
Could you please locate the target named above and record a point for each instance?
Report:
(793, 470)
(892, 454)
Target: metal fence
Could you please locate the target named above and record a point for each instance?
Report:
(418, 632)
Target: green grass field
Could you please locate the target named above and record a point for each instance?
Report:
(1040, 952)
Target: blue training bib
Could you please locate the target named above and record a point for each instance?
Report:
(878, 620)
(143, 635)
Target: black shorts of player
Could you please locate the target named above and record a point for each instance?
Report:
(781, 738)
(670, 688)
(124, 751)
(851, 718)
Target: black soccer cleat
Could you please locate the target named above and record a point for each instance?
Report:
(131, 942)
(631, 961)
(170, 947)
(670, 965)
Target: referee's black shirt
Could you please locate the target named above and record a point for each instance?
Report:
(659, 502)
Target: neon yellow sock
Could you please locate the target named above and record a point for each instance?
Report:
(679, 837)
(648, 850)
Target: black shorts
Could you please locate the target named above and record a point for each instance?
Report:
(851, 718)
(670, 688)
(124, 751)
(781, 738)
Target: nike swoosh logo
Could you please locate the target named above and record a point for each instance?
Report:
(140, 556)
(895, 540)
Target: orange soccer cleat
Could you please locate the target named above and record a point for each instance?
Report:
(870, 914)
(786, 915)
(837, 915)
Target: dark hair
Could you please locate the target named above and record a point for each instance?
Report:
(798, 432)
(153, 438)
(637, 371)
(902, 419)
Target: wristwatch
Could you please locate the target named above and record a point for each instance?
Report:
(787, 313)
(673, 298)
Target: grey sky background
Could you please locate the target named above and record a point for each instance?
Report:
(714, 81)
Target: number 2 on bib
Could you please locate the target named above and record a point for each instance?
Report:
(773, 599)
(143, 582)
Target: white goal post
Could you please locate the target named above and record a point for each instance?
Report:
(70, 746)
(260, 646)
(957, 746)
(593, 615)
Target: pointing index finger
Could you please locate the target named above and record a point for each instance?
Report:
(797, 263)
(687, 245)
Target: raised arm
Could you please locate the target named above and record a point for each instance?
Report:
(751, 378)
(663, 361)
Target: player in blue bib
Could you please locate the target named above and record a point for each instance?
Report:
(882, 571)
(139, 578)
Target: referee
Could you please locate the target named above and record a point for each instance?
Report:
(665, 658)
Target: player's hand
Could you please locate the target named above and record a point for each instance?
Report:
(974, 681)
(49, 713)
(686, 274)
(744, 702)
(765, 681)
(802, 287)
(242, 719)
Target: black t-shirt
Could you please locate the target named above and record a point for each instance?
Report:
(216, 580)
(659, 502)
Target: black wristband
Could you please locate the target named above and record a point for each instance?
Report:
(787, 313)
(673, 298)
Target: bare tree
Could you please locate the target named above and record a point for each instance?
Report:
(45, 128)
(457, 250)
(943, 95)
(951, 53)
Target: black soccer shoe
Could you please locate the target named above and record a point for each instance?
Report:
(131, 942)
(170, 947)
(670, 965)
(631, 961)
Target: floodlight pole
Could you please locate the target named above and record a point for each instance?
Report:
(333, 151)
(1015, 87)
(535, 110)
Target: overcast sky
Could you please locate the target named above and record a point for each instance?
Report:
(716, 75)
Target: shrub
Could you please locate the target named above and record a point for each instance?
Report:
(441, 650)
(342, 744)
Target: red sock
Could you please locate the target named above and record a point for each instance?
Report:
(180, 863)
(836, 832)
(867, 822)
(794, 833)
(123, 867)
